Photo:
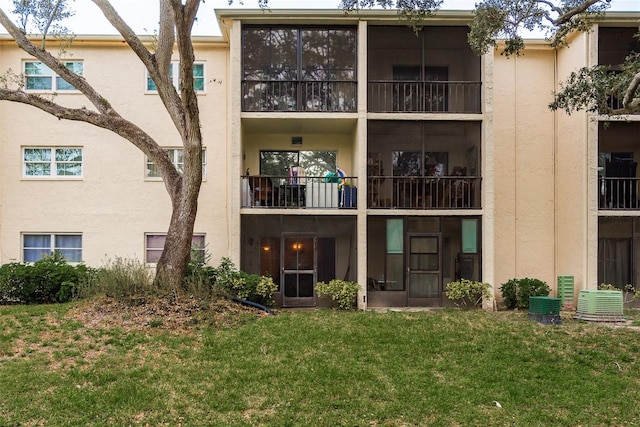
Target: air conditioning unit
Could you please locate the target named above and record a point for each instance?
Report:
(600, 306)
(545, 310)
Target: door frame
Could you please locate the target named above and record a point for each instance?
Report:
(298, 301)
(423, 301)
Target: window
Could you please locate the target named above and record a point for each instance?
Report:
(177, 158)
(315, 163)
(39, 77)
(174, 75)
(63, 162)
(37, 246)
(154, 245)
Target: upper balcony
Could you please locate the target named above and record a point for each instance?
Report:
(291, 68)
(618, 180)
(614, 45)
(293, 95)
(430, 71)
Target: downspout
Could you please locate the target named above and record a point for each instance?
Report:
(515, 168)
(555, 170)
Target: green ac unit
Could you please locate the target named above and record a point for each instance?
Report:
(545, 310)
(600, 305)
(565, 290)
(544, 305)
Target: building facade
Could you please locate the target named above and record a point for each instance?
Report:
(341, 146)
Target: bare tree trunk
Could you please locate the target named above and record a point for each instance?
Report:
(173, 262)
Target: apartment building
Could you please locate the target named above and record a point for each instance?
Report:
(341, 146)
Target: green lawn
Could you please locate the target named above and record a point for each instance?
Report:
(318, 368)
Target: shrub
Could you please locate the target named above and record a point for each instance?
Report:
(119, 278)
(466, 291)
(250, 287)
(50, 279)
(516, 292)
(629, 291)
(342, 292)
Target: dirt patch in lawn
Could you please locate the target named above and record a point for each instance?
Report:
(177, 315)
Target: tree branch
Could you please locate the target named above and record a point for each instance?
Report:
(56, 65)
(166, 38)
(552, 6)
(49, 21)
(164, 85)
(116, 124)
(127, 33)
(566, 17)
(631, 90)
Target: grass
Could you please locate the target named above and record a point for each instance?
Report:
(320, 368)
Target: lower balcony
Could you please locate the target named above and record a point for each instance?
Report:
(284, 192)
(384, 192)
(408, 192)
(618, 193)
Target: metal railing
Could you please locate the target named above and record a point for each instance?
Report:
(424, 97)
(618, 193)
(293, 95)
(446, 192)
(299, 192)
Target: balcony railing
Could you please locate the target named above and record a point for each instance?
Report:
(300, 192)
(424, 97)
(618, 193)
(293, 95)
(446, 192)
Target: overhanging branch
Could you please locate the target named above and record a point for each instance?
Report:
(113, 123)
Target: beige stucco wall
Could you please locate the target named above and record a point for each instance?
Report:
(524, 229)
(113, 206)
(572, 167)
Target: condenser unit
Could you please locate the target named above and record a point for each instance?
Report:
(545, 310)
(600, 305)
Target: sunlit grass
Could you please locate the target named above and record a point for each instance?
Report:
(321, 368)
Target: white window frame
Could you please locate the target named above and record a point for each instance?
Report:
(174, 155)
(161, 237)
(58, 84)
(174, 74)
(53, 246)
(55, 166)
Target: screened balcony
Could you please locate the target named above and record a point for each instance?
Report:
(291, 68)
(423, 165)
(424, 97)
(618, 179)
(443, 192)
(431, 71)
(291, 95)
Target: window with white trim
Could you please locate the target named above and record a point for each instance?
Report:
(177, 158)
(37, 246)
(154, 245)
(174, 75)
(39, 77)
(52, 162)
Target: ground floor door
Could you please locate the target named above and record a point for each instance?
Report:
(298, 268)
(424, 269)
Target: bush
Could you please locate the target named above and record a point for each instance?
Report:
(120, 278)
(341, 292)
(516, 292)
(50, 279)
(630, 293)
(251, 287)
(466, 291)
